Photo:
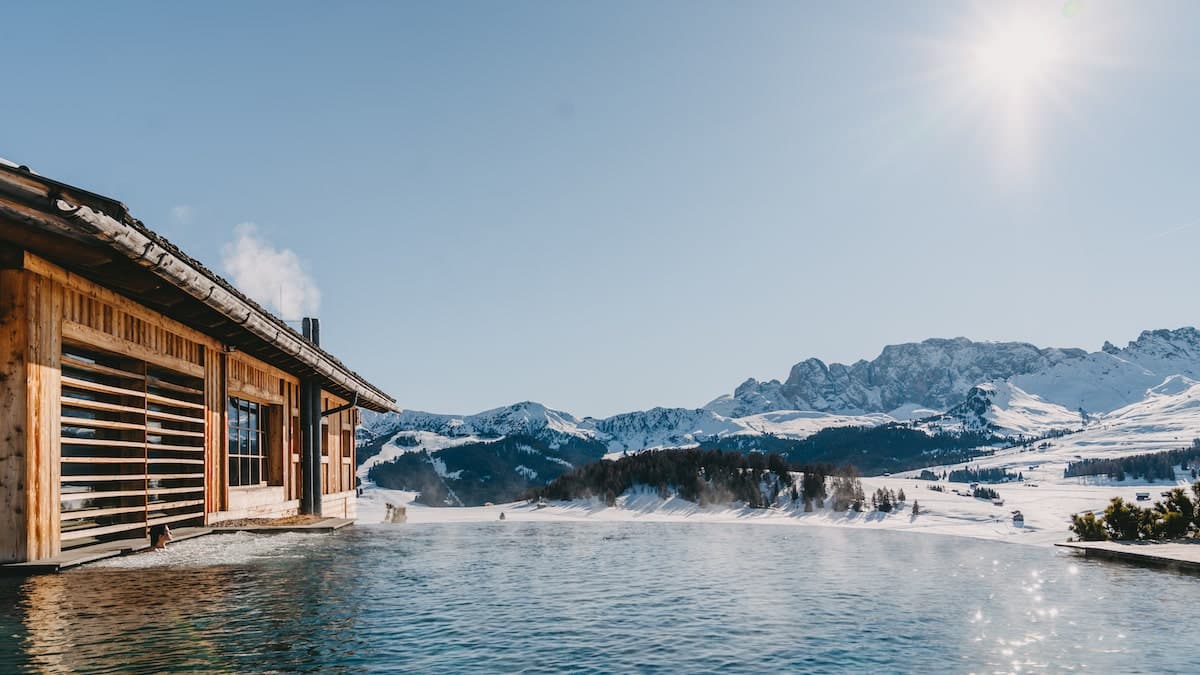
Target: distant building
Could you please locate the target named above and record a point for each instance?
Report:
(137, 387)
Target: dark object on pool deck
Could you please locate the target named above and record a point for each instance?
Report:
(501, 515)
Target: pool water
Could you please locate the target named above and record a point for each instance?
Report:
(598, 598)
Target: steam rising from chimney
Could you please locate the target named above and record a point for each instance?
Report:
(275, 278)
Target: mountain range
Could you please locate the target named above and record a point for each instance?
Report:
(943, 388)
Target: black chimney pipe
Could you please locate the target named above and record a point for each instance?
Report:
(310, 431)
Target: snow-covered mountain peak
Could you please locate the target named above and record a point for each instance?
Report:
(1004, 408)
(934, 374)
(1114, 377)
(1166, 344)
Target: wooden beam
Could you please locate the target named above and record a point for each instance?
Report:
(85, 335)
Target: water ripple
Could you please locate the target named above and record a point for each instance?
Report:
(596, 598)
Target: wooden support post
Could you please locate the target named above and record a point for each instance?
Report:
(30, 450)
(214, 432)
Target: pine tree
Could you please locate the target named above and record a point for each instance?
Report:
(916, 508)
(900, 495)
(1121, 520)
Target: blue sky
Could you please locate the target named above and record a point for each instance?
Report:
(610, 206)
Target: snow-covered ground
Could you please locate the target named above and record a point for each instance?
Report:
(1047, 509)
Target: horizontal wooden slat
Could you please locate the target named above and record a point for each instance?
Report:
(165, 460)
(77, 496)
(173, 504)
(103, 460)
(161, 431)
(96, 513)
(70, 401)
(176, 490)
(159, 415)
(101, 424)
(101, 388)
(171, 386)
(175, 476)
(163, 520)
(89, 532)
(103, 442)
(99, 478)
(70, 361)
(174, 448)
(172, 402)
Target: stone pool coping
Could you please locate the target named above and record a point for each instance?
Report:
(112, 549)
(1183, 556)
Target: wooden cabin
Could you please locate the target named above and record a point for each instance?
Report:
(138, 387)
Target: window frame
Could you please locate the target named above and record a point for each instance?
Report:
(246, 442)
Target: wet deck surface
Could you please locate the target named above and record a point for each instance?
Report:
(326, 525)
(119, 547)
(1184, 555)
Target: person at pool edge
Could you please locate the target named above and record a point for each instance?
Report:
(159, 536)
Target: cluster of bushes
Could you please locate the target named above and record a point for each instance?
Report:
(1152, 466)
(926, 474)
(698, 475)
(887, 501)
(982, 492)
(969, 475)
(1174, 518)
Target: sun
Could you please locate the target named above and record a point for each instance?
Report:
(1017, 55)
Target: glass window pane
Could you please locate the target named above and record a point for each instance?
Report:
(253, 448)
(243, 441)
(255, 471)
(243, 414)
(233, 472)
(244, 468)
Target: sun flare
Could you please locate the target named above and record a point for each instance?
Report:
(1018, 54)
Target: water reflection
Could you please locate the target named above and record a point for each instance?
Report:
(599, 597)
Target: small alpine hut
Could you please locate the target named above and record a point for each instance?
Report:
(137, 387)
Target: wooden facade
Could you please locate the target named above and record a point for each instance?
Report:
(116, 417)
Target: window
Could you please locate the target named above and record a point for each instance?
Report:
(247, 442)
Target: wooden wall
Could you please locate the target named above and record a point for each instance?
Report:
(29, 416)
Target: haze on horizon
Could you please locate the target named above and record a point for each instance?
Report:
(611, 206)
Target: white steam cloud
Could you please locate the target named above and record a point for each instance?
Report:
(273, 277)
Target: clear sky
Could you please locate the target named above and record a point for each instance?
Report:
(606, 206)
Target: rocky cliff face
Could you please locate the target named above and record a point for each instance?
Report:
(935, 374)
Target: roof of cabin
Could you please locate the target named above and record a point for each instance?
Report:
(74, 228)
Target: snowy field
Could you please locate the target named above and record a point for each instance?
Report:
(1047, 509)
